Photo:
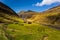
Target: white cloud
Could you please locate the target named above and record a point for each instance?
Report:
(46, 2)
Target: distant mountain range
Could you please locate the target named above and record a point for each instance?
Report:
(51, 16)
(34, 26)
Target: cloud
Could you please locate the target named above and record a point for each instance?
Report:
(46, 2)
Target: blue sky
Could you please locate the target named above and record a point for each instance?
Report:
(34, 5)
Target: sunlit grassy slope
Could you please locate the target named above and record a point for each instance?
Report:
(51, 16)
(24, 31)
(13, 28)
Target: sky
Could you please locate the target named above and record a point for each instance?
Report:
(34, 5)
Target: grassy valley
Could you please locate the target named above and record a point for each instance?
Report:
(51, 16)
(12, 27)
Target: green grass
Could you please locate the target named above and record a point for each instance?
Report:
(23, 31)
(17, 30)
(2, 36)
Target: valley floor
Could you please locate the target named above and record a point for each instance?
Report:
(24, 31)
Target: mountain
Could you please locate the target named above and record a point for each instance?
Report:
(7, 14)
(13, 28)
(27, 14)
(51, 16)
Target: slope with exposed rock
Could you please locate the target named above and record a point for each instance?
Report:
(24, 31)
(27, 14)
(51, 16)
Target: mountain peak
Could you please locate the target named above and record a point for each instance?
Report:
(30, 11)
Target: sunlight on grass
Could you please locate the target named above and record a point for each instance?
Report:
(23, 31)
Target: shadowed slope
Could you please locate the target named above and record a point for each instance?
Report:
(6, 9)
(7, 14)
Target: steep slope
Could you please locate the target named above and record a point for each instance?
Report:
(24, 31)
(7, 9)
(27, 15)
(51, 16)
(7, 14)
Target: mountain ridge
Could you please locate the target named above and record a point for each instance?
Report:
(13, 28)
(46, 16)
(7, 14)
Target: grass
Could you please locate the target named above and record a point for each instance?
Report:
(18, 30)
(2, 36)
(23, 31)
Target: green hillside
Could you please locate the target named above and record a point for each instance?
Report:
(7, 15)
(51, 16)
(12, 27)
(24, 31)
